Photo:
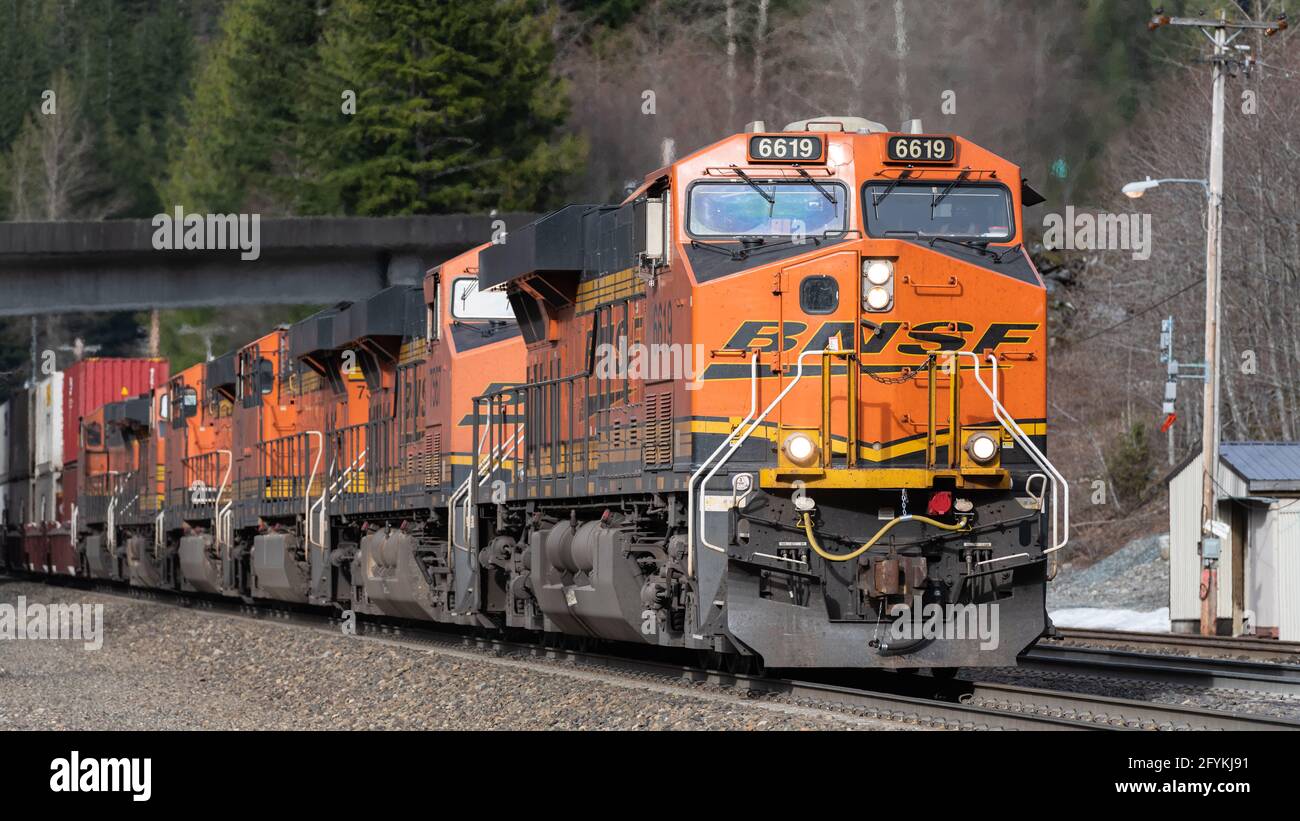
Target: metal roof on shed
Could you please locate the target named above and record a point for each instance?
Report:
(1265, 465)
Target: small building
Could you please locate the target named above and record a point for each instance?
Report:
(1259, 566)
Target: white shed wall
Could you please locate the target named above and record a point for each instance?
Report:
(1288, 567)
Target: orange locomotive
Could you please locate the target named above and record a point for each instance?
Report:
(120, 491)
(786, 404)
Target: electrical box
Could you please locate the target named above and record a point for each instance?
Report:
(1210, 548)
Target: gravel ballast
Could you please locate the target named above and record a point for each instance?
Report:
(1135, 577)
(168, 668)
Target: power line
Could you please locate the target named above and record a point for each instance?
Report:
(1148, 309)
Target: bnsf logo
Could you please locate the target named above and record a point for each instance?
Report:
(893, 339)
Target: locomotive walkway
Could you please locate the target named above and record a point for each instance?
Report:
(58, 267)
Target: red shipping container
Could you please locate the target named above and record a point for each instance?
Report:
(92, 383)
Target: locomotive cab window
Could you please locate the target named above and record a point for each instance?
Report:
(766, 208)
(969, 211)
(819, 294)
(469, 303)
(265, 376)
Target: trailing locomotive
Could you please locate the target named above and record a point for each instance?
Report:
(785, 406)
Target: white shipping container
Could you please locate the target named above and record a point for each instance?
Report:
(4, 441)
(45, 498)
(47, 408)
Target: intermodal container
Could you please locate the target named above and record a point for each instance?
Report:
(4, 442)
(47, 422)
(19, 435)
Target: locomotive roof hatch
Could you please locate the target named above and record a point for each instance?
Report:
(847, 124)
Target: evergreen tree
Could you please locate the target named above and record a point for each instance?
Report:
(240, 123)
(456, 109)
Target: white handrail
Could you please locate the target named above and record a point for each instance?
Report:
(110, 523)
(216, 503)
(1061, 534)
(484, 469)
(690, 485)
(737, 443)
(306, 499)
(225, 525)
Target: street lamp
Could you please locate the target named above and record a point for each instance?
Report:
(1210, 527)
(1135, 190)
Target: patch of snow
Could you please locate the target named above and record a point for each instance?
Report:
(1099, 618)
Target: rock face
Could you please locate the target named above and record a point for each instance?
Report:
(1135, 577)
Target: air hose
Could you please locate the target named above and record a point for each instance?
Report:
(846, 557)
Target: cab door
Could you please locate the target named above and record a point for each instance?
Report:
(819, 305)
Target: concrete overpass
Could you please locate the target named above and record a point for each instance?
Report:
(57, 267)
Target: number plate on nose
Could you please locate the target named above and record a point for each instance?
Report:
(922, 150)
(787, 148)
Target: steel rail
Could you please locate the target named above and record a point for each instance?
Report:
(1213, 673)
(1241, 646)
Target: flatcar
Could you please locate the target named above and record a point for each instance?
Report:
(784, 406)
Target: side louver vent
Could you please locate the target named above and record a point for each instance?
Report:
(658, 446)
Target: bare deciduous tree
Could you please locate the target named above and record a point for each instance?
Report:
(52, 164)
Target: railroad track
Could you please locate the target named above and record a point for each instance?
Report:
(1213, 673)
(960, 705)
(1218, 646)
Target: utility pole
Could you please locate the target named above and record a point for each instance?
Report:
(1221, 32)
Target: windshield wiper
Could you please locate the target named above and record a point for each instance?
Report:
(878, 197)
(1003, 256)
(771, 200)
(974, 246)
(825, 191)
(734, 254)
(493, 325)
(934, 201)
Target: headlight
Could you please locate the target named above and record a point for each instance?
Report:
(878, 271)
(878, 299)
(800, 449)
(982, 448)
